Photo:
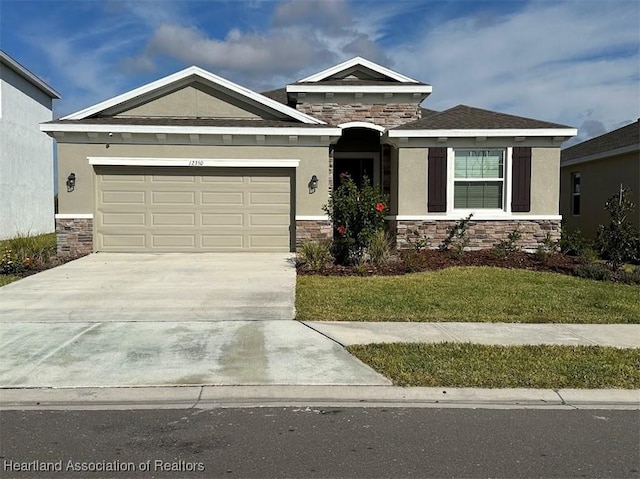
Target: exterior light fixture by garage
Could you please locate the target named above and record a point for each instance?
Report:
(313, 184)
(71, 182)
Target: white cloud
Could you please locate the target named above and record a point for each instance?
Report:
(301, 37)
(566, 62)
(570, 62)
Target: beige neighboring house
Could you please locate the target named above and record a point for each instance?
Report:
(592, 172)
(194, 162)
(26, 154)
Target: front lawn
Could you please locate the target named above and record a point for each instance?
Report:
(481, 294)
(475, 365)
(8, 278)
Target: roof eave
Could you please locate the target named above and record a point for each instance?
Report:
(397, 88)
(601, 155)
(488, 133)
(27, 75)
(53, 127)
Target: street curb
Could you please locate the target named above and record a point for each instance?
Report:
(206, 397)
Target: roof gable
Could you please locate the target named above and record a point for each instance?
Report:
(164, 86)
(358, 68)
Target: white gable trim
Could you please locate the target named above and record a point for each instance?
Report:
(363, 124)
(355, 62)
(182, 75)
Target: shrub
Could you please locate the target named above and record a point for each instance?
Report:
(547, 248)
(619, 241)
(457, 239)
(9, 262)
(26, 252)
(420, 242)
(413, 261)
(315, 254)
(573, 243)
(505, 247)
(595, 271)
(629, 277)
(357, 214)
(379, 248)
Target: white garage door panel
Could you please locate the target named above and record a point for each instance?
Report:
(199, 209)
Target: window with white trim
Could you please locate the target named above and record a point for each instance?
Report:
(479, 179)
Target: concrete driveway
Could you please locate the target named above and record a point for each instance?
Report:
(118, 320)
(156, 287)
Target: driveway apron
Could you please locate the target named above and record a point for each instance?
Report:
(117, 320)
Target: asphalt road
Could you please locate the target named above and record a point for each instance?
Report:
(311, 442)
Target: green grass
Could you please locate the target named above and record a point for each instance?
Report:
(479, 294)
(8, 278)
(475, 365)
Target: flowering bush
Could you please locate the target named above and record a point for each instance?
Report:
(357, 214)
(9, 262)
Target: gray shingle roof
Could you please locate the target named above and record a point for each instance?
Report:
(279, 95)
(213, 122)
(425, 112)
(626, 136)
(463, 117)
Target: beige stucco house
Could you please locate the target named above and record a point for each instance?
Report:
(194, 162)
(593, 171)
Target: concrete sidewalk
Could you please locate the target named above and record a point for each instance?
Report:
(348, 333)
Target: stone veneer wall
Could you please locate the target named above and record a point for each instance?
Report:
(75, 236)
(313, 230)
(481, 233)
(387, 115)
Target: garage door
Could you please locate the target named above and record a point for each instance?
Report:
(165, 209)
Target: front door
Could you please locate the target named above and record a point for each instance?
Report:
(356, 168)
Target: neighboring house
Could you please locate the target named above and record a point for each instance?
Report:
(593, 171)
(26, 154)
(194, 162)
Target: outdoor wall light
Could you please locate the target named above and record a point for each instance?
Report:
(313, 184)
(71, 182)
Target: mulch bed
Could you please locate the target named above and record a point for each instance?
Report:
(52, 263)
(430, 260)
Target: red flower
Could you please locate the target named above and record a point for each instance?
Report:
(380, 207)
(341, 229)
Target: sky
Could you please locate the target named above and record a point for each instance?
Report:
(572, 62)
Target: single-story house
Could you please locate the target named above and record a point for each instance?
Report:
(593, 171)
(194, 162)
(26, 154)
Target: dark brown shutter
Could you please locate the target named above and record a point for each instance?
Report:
(437, 172)
(521, 180)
